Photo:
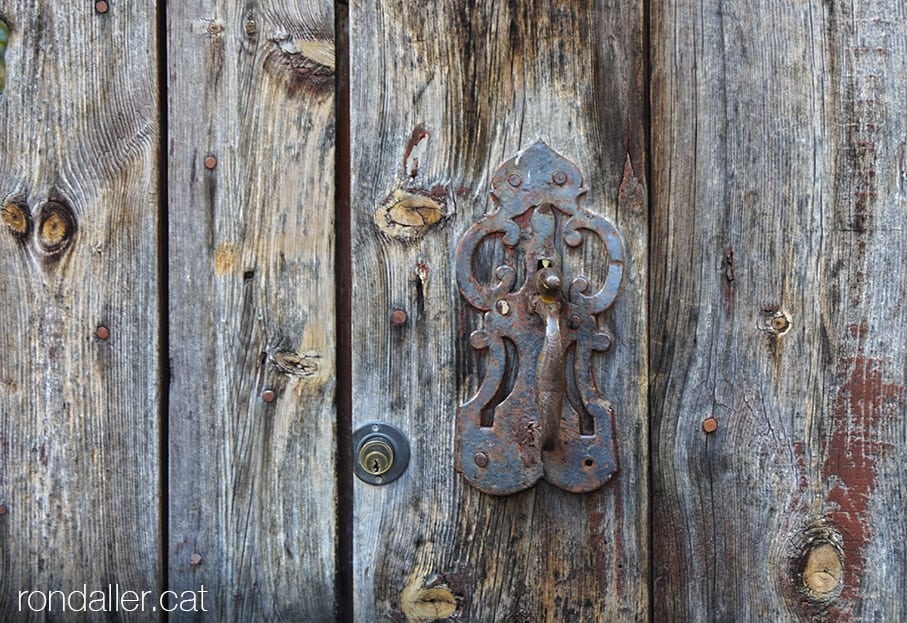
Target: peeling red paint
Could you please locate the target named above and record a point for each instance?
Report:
(419, 133)
(862, 403)
(438, 192)
(41, 451)
(802, 470)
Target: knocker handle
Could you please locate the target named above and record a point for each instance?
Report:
(550, 374)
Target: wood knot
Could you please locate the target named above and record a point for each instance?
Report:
(424, 604)
(294, 364)
(409, 215)
(822, 571)
(779, 323)
(818, 565)
(304, 61)
(17, 218)
(57, 227)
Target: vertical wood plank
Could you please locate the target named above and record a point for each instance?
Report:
(79, 405)
(252, 485)
(440, 98)
(779, 192)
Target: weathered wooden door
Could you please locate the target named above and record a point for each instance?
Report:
(230, 239)
(440, 95)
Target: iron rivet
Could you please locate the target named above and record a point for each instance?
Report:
(268, 395)
(102, 332)
(574, 322)
(375, 428)
(559, 177)
(503, 307)
(398, 317)
(514, 179)
(481, 459)
(195, 560)
(101, 6)
(710, 425)
(210, 162)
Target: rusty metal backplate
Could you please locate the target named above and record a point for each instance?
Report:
(538, 336)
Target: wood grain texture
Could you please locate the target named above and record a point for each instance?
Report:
(79, 416)
(252, 485)
(779, 186)
(441, 94)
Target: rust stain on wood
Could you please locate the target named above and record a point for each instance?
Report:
(729, 280)
(597, 544)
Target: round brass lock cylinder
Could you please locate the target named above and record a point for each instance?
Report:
(376, 456)
(381, 453)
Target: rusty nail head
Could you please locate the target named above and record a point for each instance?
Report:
(398, 317)
(210, 162)
(195, 559)
(574, 321)
(710, 425)
(559, 177)
(481, 459)
(268, 395)
(101, 6)
(102, 332)
(514, 179)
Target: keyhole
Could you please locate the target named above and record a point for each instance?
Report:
(376, 455)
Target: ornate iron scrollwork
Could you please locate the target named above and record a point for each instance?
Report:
(554, 424)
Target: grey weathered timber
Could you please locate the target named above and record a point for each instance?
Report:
(780, 185)
(79, 415)
(441, 94)
(252, 485)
